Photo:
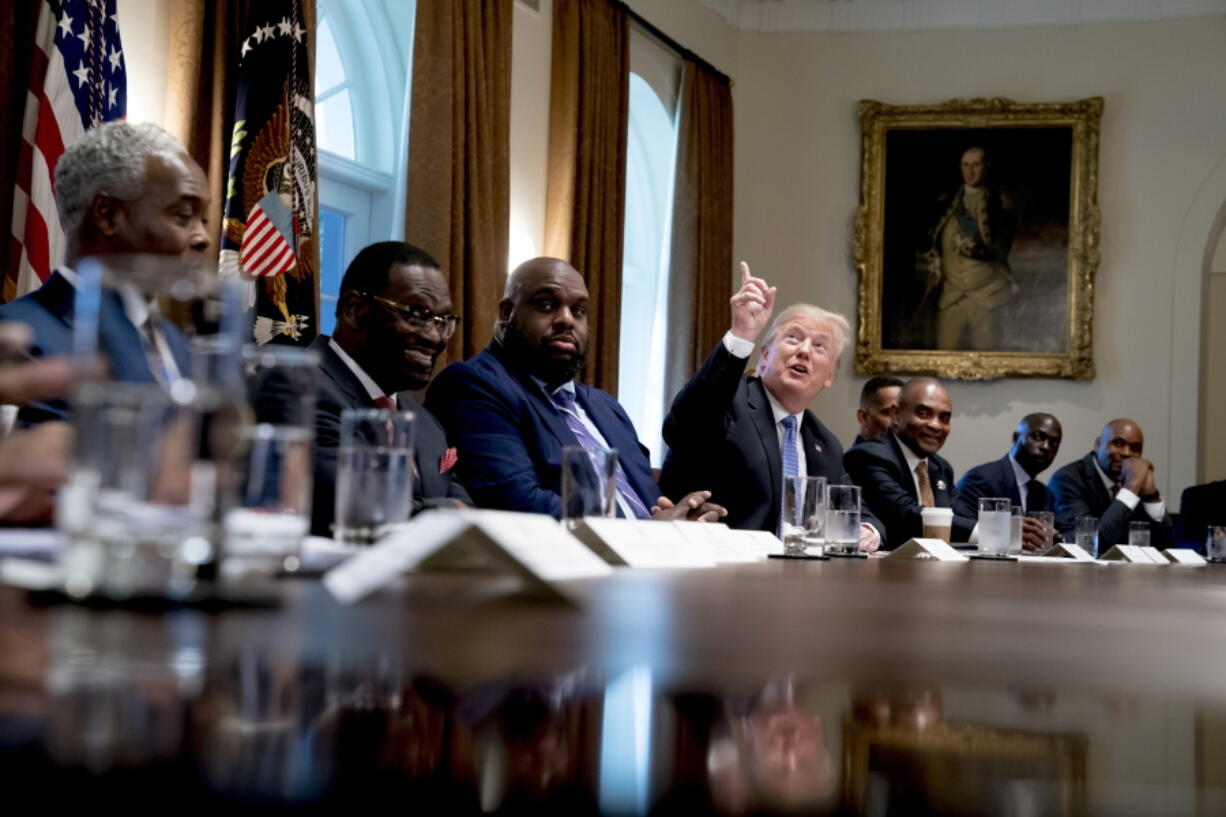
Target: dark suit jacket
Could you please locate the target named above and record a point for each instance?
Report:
(722, 438)
(880, 469)
(1077, 490)
(1199, 507)
(340, 389)
(49, 312)
(996, 478)
(510, 436)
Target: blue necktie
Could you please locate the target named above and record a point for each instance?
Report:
(566, 402)
(791, 463)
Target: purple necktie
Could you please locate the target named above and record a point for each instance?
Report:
(566, 402)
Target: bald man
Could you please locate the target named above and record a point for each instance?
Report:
(512, 408)
(1115, 484)
(1015, 476)
(899, 472)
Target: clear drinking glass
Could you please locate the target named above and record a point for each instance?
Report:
(1016, 515)
(1138, 534)
(994, 524)
(1048, 520)
(1215, 543)
(267, 476)
(843, 518)
(374, 473)
(802, 524)
(589, 483)
(1087, 535)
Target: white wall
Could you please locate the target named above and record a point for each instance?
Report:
(1213, 370)
(1163, 134)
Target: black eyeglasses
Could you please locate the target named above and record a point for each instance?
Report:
(419, 317)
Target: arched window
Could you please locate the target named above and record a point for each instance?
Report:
(363, 59)
(651, 153)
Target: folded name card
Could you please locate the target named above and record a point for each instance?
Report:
(1135, 555)
(533, 547)
(637, 543)
(716, 541)
(1068, 550)
(759, 542)
(1184, 556)
(926, 549)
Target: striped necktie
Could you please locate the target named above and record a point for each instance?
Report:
(791, 463)
(565, 401)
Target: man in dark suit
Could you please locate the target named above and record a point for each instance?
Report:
(1199, 507)
(878, 406)
(732, 432)
(393, 318)
(1114, 483)
(1015, 476)
(900, 471)
(122, 189)
(512, 408)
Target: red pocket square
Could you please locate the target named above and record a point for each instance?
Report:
(447, 461)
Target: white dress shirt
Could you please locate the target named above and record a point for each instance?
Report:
(1022, 478)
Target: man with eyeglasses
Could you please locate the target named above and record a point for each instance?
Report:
(393, 318)
(513, 407)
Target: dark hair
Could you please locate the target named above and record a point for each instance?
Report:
(367, 272)
(876, 384)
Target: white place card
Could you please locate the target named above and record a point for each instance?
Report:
(714, 540)
(1155, 556)
(531, 546)
(1132, 554)
(1068, 550)
(1184, 556)
(926, 549)
(638, 543)
(760, 542)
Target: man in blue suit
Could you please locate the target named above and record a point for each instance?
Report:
(122, 189)
(512, 408)
(900, 471)
(1015, 476)
(741, 435)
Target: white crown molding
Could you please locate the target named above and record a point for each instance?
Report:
(924, 15)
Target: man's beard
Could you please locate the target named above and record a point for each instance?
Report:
(539, 362)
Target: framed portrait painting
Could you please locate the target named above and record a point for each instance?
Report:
(976, 238)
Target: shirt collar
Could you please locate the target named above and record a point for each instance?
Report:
(779, 411)
(908, 454)
(368, 383)
(1019, 473)
(568, 386)
(1108, 482)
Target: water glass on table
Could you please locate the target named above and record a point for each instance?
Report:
(994, 527)
(1048, 520)
(589, 483)
(1215, 543)
(1087, 535)
(1016, 514)
(803, 525)
(1138, 534)
(374, 474)
(843, 518)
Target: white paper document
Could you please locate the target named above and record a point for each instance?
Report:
(716, 540)
(639, 543)
(926, 549)
(531, 546)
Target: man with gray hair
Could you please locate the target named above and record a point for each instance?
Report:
(121, 189)
(742, 435)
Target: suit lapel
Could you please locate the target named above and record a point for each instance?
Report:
(764, 422)
(335, 368)
(58, 297)
(121, 339)
(813, 452)
(900, 462)
(1010, 479)
(1095, 481)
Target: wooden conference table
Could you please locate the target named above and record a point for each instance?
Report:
(847, 686)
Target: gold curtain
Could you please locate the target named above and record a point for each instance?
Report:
(201, 85)
(700, 275)
(458, 200)
(17, 29)
(585, 205)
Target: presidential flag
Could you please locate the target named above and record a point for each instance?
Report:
(77, 81)
(268, 230)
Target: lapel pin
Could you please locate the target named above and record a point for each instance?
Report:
(940, 485)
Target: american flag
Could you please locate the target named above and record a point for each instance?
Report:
(77, 81)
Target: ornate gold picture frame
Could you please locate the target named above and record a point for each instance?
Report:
(976, 238)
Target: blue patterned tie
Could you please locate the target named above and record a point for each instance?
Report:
(566, 402)
(791, 463)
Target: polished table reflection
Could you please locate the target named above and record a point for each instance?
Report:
(849, 686)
